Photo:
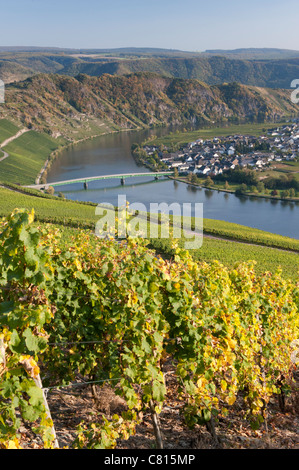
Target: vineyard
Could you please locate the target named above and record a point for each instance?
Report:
(101, 312)
(27, 155)
(230, 253)
(271, 251)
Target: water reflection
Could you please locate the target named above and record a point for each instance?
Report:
(242, 199)
(191, 188)
(209, 193)
(274, 202)
(255, 199)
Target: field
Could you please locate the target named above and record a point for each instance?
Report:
(282, 168)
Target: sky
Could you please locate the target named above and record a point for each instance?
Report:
(190, 25)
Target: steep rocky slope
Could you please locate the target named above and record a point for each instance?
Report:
(57, 104)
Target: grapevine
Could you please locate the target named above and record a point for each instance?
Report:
(115, 311)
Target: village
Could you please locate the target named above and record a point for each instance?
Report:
(215, 156)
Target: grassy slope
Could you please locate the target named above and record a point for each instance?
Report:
(7, 129)
(27, 155)
(230, 253)
(48, 209)
(251, 235)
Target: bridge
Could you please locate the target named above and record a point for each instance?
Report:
(89, 179)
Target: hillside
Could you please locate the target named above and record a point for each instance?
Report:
(252, 53)
(272, 68)
(11, 72)
(212, 70)
(69, 106)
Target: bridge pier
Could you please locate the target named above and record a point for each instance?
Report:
(85, 185)
(122, 181)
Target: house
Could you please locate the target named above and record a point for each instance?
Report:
(206, 170)
(176, 164)
(184, 167)
(231, 151)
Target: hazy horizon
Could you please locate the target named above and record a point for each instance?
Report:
(193, 26)
(128, 47)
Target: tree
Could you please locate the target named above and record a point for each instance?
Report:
(285, 193)
(260, 187)
(292, 192)
(241, 190)
(209, 181)
(50, 190)
(194, 178)
(135, 146)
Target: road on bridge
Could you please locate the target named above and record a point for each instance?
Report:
(100, 177)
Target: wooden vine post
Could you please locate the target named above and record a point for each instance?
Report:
(38, 383)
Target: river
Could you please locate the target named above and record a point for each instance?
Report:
(111, 154)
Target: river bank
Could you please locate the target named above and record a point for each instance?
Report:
(230, 191)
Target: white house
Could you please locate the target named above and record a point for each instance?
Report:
(231, 151)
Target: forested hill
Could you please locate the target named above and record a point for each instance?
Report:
(54, 103)
(210, 69)
(277, 71)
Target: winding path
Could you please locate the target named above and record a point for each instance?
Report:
(5, 155)
(10, 139)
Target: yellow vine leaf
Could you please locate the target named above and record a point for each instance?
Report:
(29, 365)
